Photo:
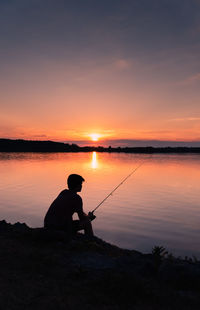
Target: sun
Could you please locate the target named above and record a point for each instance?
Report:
(95, 136)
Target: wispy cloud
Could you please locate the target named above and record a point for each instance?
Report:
(39, 136)
(193, 79)
(122, 64)
(185, 119)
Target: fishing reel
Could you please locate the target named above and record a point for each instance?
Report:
(91, 216)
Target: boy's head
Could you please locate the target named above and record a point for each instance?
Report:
(74, 182)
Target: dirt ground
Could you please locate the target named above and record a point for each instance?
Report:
(44, 270)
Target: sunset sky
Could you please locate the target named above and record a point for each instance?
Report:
(120, 69)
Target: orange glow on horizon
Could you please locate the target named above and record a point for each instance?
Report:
(100, 134)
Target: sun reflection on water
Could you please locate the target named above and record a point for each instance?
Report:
(94, 162)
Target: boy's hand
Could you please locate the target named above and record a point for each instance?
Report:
(91, 216)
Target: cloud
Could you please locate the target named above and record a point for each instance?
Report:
(122, 64)
(39, 136)
(185, 119)
(193, 79)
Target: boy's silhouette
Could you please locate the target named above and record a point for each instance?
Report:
(60, 213)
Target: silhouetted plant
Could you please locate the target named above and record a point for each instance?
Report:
(192, 259)
(158, 252)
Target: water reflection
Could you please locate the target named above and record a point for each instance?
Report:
(158, 205)
(94, 162)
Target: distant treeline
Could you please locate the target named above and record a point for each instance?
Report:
(8, 145)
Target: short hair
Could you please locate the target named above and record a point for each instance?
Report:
(74, 180)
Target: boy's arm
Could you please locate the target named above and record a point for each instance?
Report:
(83, 216)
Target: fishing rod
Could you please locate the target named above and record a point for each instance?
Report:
(110, 194)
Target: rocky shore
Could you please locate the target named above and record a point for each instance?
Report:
(44, 270)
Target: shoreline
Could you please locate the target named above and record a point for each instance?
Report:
(8, 145)
(45, 270)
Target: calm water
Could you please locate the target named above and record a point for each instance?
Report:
(157, 205)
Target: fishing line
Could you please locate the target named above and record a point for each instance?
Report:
(117, 187)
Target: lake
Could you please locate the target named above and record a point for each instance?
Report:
(157, 205)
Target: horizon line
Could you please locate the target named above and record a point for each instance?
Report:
(121, 142)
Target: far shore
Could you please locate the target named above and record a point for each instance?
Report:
(9, 145)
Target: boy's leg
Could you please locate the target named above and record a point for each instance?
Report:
(83, 225)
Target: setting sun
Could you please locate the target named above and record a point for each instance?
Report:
(94, 136)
